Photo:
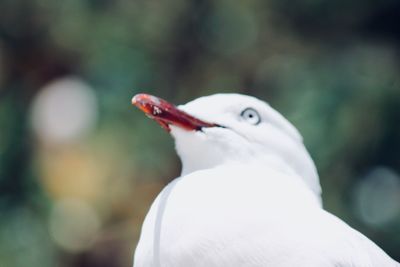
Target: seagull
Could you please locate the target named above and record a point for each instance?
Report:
(248, 195)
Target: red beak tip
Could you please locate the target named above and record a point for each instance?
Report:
(137, 98)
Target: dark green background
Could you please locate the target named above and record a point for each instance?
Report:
(331, 67)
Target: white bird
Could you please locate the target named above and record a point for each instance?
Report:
(248, 195)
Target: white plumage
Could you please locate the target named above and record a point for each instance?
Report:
(249, 195)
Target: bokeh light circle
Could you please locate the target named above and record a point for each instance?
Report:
(74, 225)
(377, 197)
(64, 110)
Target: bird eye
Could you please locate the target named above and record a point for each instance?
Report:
(251, 116)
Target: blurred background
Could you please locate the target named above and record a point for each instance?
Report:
(79, 166)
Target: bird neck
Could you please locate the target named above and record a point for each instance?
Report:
(304, 171)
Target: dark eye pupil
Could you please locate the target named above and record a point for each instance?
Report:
(251, 116)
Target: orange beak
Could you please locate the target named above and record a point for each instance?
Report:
(167, 114)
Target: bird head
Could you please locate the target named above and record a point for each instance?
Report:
(228, 128)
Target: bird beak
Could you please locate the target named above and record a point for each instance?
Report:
(167, 114)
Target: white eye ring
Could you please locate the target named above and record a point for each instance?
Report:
(251, 116)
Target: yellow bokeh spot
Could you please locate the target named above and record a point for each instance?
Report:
(71, 172)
